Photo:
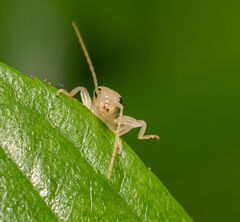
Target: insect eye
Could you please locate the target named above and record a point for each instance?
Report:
(120, 100)
(97, 91)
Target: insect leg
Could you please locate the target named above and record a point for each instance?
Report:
(86, 99)
(127, 123)
(117, 144)
(117, 132)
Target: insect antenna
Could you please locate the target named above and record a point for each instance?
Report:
(86, 54)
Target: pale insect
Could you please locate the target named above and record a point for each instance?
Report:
(106, 104)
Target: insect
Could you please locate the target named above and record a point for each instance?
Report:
(107, 105)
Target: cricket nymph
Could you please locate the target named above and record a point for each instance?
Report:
(106, 104)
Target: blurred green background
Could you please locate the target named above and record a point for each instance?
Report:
(176, 64)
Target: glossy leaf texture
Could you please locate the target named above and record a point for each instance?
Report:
(54, 156)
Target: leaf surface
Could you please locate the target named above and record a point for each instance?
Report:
(54, 156)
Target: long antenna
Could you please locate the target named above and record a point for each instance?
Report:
(86, 54)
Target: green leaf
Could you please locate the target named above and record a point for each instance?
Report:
(54, 156)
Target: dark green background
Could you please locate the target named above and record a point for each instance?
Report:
(176, 64)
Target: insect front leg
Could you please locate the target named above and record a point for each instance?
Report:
(127, 123)
(117, 144)
(86, 99)
(117, 132)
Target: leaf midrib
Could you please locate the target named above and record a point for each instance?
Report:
(29, 182)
